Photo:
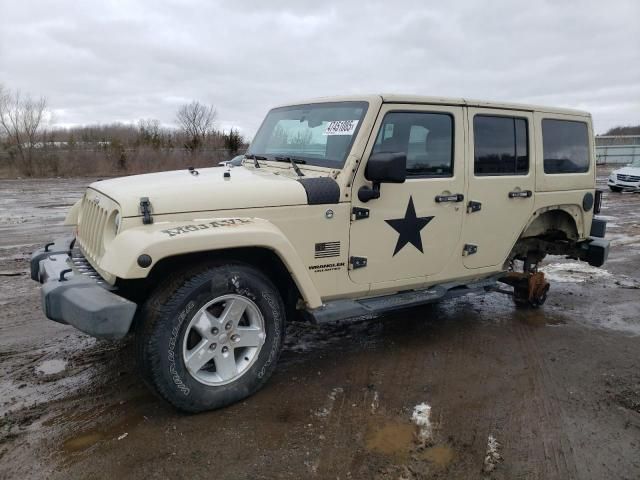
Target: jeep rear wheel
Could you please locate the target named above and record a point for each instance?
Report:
(211, 336)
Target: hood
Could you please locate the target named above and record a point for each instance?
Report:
(182, 191)
(628, 171)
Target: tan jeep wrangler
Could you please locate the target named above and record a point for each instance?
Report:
(342, 208)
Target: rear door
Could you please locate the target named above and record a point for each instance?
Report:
(501, 184)
(414, 228)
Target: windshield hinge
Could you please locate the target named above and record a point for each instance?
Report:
(469, 249)
(359, 213)
(145, 210)
(357, 262)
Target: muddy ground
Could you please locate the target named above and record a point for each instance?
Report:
(470, 388)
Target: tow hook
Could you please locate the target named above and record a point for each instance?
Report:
(529, 288)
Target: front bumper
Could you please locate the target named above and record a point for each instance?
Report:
(77, 296)
(628, 186)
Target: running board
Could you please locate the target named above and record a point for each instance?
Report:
(367, 308)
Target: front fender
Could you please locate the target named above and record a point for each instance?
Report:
(167, 239)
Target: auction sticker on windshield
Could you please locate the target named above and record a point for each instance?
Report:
(341, 127)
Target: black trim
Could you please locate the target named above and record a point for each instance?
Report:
(321, 190)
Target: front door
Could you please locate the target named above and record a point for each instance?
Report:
(501, 184)
(413, 229)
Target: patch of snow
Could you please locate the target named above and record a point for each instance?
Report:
(334, 392)
(51, 367)
(375, 403)
(123, 436)
(492, 457)
(573, 272)
(421, 416)
(326, 410)
(621, 239)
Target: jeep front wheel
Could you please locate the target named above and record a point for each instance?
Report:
(211, 337)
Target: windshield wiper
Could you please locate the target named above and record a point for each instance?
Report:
(255, 159)
(294, 163)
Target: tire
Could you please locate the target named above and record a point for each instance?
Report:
(615, 189)
(183, 323)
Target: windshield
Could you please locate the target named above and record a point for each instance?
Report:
(317, 134)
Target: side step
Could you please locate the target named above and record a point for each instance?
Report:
(368, 308)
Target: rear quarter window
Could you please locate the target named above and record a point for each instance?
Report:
(565, 145)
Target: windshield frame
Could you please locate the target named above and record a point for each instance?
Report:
(336, 164)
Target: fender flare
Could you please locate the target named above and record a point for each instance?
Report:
(162, 240)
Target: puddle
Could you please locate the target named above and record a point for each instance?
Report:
(539, 318)
(82, 442)
(51, 367)
(395, 438)
(440, 455)
(119, 430)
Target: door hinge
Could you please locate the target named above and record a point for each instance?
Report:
(145, 210)
(469, 249)
(473, 206)
(360, 213)
(357, 262)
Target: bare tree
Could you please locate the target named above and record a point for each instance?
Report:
(196, 121)
(22, 119)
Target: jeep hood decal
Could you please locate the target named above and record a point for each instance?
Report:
(182, 191)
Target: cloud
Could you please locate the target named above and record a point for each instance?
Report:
(121, 61)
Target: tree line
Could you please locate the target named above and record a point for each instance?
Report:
(29, 146)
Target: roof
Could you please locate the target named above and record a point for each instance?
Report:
(417, 99)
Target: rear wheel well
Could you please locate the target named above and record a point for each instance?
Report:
(552, 224)
(263, 259)
(553, 232)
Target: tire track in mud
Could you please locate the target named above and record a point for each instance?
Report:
(556, 444)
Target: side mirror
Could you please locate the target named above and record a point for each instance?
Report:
(387, 168)
(383, 168)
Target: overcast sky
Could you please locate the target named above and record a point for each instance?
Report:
(121, 61)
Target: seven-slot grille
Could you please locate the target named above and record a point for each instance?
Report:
(327, 249)
(82, 266)
(91, 227)
(628, 178)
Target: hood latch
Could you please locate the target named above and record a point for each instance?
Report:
(145, 210)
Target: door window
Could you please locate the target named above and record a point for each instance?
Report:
(426, 139)
(501, 145)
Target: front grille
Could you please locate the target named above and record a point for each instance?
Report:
(628, 178)
(92, 220)
(82, 266)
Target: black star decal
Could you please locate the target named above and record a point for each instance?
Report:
(409, 228)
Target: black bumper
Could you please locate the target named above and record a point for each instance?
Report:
(70, 297)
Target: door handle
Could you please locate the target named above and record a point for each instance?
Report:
(521, 194)
(456, 197)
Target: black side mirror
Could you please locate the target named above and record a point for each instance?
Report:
(387, 168)
(383, 168)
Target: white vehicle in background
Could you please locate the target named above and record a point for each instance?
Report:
(627, 178)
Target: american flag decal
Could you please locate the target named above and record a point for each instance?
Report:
(327, 249)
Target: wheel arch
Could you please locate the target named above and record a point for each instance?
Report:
(261, 258)
(553, 222)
